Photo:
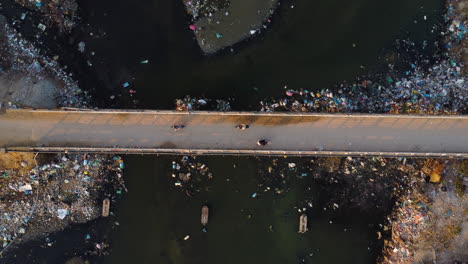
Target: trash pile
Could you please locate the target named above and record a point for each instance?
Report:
(204, 8)
(191, 175)
(188, 103)
(440, 89)
(19, 55)
(69, 189)
(412, 215)
(62, 13)
(428, 221)
(223, 105)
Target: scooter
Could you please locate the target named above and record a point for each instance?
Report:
(242, 126)
(177, 127)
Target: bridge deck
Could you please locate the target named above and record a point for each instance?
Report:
(214, 133)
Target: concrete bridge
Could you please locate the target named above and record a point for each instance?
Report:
(302, 134)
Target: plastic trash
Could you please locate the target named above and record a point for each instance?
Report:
(62, 213)
(81, 46)
(193, 27)
(26, 187)
(41, 27)
(254, 195)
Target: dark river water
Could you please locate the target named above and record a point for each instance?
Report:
(156, 216)
(308, 46)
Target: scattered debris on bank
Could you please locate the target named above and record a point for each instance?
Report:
(39, 199)
(191, 175)
(61, 13)
(22, 66)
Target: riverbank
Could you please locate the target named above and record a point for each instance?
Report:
(30, 79)
(47, 193)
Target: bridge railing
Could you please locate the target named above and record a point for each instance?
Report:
(230, 152)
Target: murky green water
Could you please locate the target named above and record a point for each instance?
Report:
(156, 216)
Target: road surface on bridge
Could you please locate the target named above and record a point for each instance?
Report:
(215, 132)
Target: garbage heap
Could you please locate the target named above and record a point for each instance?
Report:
(188, 103)
(439, 89)
(412, 216)
(50, 196)
(191, 175)
(62, 14)
(428, 223)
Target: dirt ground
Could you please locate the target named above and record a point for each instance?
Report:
(13, 161)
